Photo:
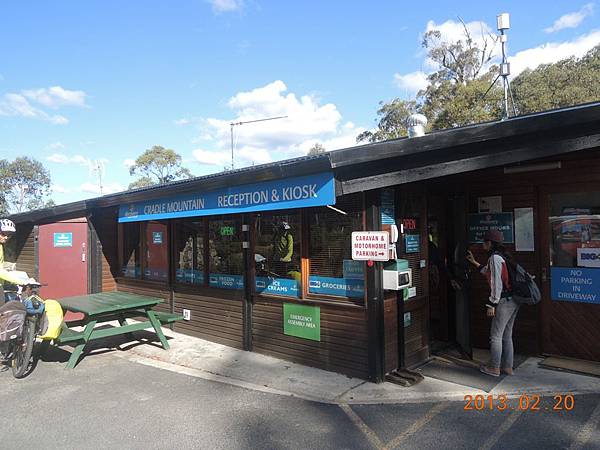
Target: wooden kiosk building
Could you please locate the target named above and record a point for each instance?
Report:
(259, 258)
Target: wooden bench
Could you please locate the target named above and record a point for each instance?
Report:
(164, 317)
(68, 335)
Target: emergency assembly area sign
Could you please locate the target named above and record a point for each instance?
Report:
(370, 245)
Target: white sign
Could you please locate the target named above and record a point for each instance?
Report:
(370, 245)
(524, 231)
(490, 204)
(588, 257)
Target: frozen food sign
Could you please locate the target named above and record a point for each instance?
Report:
(297, 192)
(576, 285)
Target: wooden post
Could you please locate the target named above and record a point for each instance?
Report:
(249, 281)
(375, 311)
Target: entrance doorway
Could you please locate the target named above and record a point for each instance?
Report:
(570, 225)
(449, 279)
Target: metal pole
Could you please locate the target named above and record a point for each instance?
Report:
(231, 124)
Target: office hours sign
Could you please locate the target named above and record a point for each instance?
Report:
(370, 245)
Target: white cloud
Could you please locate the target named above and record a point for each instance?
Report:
(109, 188)
(552, 52)
(58, 158)
(61, 158)
(308, 121)
(128, 162)
(571, 20)
(59, 189)
(54, 97)
(411, 83)
(212, 158)
(182, 122)
(16, 105)
(223, 6)
(55, 146)
(22, 104)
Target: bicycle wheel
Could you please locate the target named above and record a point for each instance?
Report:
(23, 350)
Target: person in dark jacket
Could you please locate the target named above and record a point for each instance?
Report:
(500, 306)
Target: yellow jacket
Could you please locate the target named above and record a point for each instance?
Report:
(6, 275)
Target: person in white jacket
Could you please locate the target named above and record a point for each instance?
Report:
(7, 229)
(500, 305)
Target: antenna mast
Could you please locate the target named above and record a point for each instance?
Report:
(503, 22)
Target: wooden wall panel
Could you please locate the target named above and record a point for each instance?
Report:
(214, 319)
(343, 345)
(146, 288)
(390, 320)
(24, 250)
(105, 222)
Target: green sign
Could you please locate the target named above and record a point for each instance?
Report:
(302, 321)
(227, 231)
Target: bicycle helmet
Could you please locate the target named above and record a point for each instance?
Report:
(7, 226)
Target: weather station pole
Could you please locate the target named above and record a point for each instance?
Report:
(233, 124)
(503, 23)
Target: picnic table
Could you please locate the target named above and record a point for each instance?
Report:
(107, 307)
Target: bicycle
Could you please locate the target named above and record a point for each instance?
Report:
(22, 314)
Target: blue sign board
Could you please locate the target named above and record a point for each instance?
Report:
(63, 239)
(388, 216)
(277, 286)
(225, 281)
(298, 192)
(479, 224)
(573, 284)
(189, 276)
(412, 243)
(132, 271)
(336, 286)
(354, 269)
(157, 237)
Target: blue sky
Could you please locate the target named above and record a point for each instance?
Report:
(103, 81)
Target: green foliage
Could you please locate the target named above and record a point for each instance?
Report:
(568, 82)
(316, 149)
(392, 122)
(158, 165)
(449, 104)
(25, 185)
(141, 182)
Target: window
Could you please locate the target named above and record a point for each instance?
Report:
(575, 230)
(130, 256)
(157, 252)
(226, 257)
(277, 254)
(189, 247)
(332, 270)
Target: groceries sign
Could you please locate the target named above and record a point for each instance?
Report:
(370, 245)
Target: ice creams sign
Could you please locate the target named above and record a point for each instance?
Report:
(370, 245)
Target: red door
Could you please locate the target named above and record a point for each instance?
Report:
(63, 256)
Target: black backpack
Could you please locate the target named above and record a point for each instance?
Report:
(524, 289)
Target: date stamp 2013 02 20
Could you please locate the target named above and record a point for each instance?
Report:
(525, 402)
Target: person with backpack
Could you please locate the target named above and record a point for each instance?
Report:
(500, 305)
(7, 229)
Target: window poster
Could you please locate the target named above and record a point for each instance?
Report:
(524, 231)
(490, 204)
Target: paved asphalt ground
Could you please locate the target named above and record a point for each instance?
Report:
(109, 402)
